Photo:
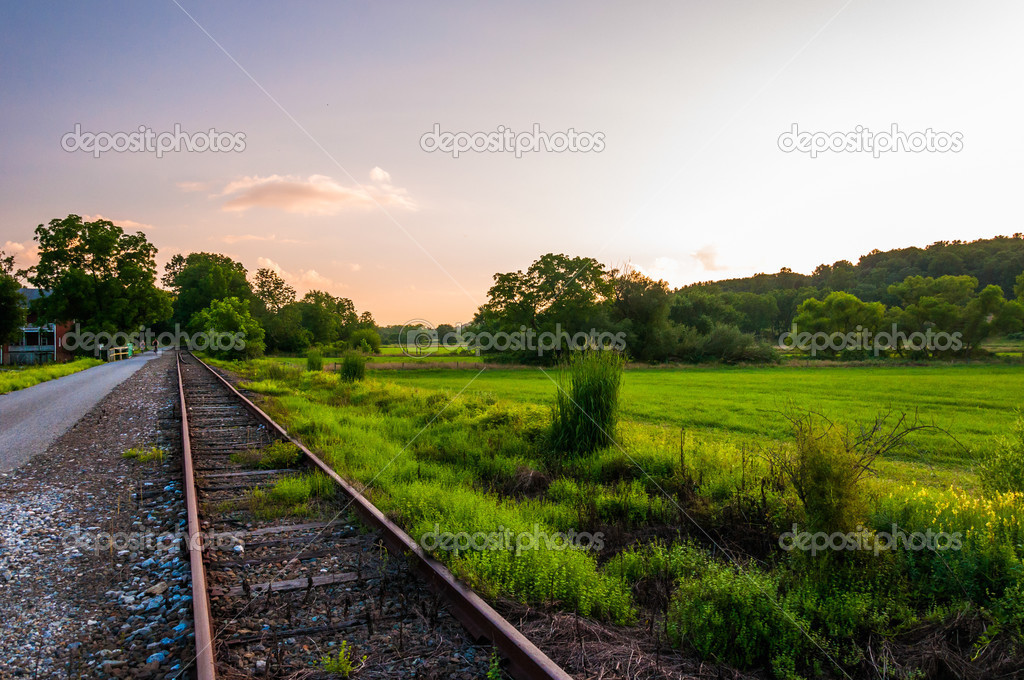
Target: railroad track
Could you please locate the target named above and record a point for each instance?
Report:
(276, 588)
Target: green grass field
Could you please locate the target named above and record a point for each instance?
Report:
(973, 403)
(20, 378)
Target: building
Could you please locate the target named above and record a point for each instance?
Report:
(40, 342)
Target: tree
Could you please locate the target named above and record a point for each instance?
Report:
(12, 302)
(1018, 288)
(97, 275)
(272, 290)
(201, 278)
(365, 339)
(643, 304)
(555, 289)
(229, 319)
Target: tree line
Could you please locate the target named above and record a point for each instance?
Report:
(105, 281)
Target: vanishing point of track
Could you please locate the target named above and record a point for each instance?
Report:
(268, 595)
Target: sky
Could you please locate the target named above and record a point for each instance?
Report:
(328, 179)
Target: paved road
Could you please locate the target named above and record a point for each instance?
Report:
(33, 418)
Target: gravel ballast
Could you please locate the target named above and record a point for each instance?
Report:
(93, 582)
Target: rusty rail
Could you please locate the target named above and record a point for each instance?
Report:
(527, 662)
(205, 669)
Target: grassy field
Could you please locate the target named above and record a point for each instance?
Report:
(20, 378)
(393, 358)
(973, 403)
(467, 452)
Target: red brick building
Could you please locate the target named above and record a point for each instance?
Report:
(41, 342)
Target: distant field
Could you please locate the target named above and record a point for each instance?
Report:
(974, 403)
(393, 358)
(20, 378)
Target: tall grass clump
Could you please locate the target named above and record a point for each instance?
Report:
(353, 367)
(587, 401)
(314, 360)
(1002, 469)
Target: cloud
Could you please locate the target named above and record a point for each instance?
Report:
(303, 280)
(124, 224)
(708, 256)
(25, 254)
(685, 270)
(314, 195)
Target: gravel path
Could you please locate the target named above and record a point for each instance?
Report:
(31, 419)
(73, 602)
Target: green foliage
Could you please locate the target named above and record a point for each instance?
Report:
(365, 339)
(353, 367)
(97, 275)
(12, 302)
(1002, 468)
(200, 279)
(290, 495)
(20, 378)
(342, 662)
(587, 401)
(233, 332)
(276, 456)
(270, 289)
(824, 467)
(739, 617)
(494, 666)
(314, 360)
(144, 455)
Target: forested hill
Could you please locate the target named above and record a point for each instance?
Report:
(997, 261)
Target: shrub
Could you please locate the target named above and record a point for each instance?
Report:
(353, 368)
(314, 360)
(739, 618)
(826, 462)
(1003, 468)
(365, 337)
(587, 401)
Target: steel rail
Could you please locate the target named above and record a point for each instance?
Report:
(205, 668)
(527, 661)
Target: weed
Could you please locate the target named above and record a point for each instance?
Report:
(314, 360)
(145, 455)
(342, 663)
(276, 456)
(353, 367)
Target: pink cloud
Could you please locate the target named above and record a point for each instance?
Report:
(314, 195)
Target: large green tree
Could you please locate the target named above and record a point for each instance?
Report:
(555, 289)
(97, 275)
(271, 290)
(200, 278)
(12, 302)
(231, 330)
